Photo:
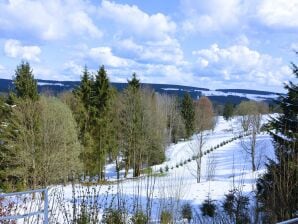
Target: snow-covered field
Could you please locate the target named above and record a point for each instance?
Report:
(230, 163)
(223, 169)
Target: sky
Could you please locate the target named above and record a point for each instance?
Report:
(203, 43)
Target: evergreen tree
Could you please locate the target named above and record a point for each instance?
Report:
(188, 114)
(102, 130)
(228, 111)
(25, 84)
(134, 82)
(80, 103)
(278, 187)
(85, 88)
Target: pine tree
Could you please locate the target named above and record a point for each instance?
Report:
(101, 117)
(188, 114)
(228, 111)
(278, 187)
(25, 84)
(80, 103)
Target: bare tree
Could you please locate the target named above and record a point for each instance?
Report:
(250, 118)
(203, 121)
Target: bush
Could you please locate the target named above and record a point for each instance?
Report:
(208, 208)
(139, 218)
(186, 212)
(160, 170)
(166, 217)
(113, 216)
(167, 168)
(147, 171)
(236, 207)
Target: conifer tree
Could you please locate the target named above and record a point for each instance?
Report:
(25, 84)
(228, 111)
(278, 187)
(102, 129)
(188, 114)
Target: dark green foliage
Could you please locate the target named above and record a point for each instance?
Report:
(96, 120)
(235, 206)
(208, 208)
(277, 188)
(188, 114)
(113, 216)
(167, 168)
(134, 82)
(25, 84)
(139, 218)
(186, 212)
(228, 111)
(166, 217)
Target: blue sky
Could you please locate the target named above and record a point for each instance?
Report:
(206, 43)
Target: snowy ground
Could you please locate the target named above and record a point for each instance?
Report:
(231, 168)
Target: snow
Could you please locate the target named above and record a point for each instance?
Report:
(256, 97)
(49, 84)
(170, 190)
(170, 89)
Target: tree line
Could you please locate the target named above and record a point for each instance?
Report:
(48, 140)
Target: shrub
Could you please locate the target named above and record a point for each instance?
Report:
(208, 208)
(236, 207)
(186, 212)
(160, 170)
(166, 217)
(113, 216)
(167, 168)
(139, 218)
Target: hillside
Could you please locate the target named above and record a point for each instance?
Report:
(219, 96)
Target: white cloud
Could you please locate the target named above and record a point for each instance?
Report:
(132, 20)
(73, 68)
(239, 63)
(278, 13)
(167, 51)
(15, 49)
(49, 20)
(211, 15)
(104, 56)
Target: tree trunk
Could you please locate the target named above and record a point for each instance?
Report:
(253, 149)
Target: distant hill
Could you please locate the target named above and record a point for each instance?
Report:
(219, 96)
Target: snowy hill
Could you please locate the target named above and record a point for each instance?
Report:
(220, 96)
(223, 169)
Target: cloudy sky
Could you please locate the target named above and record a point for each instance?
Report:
(203, 43)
